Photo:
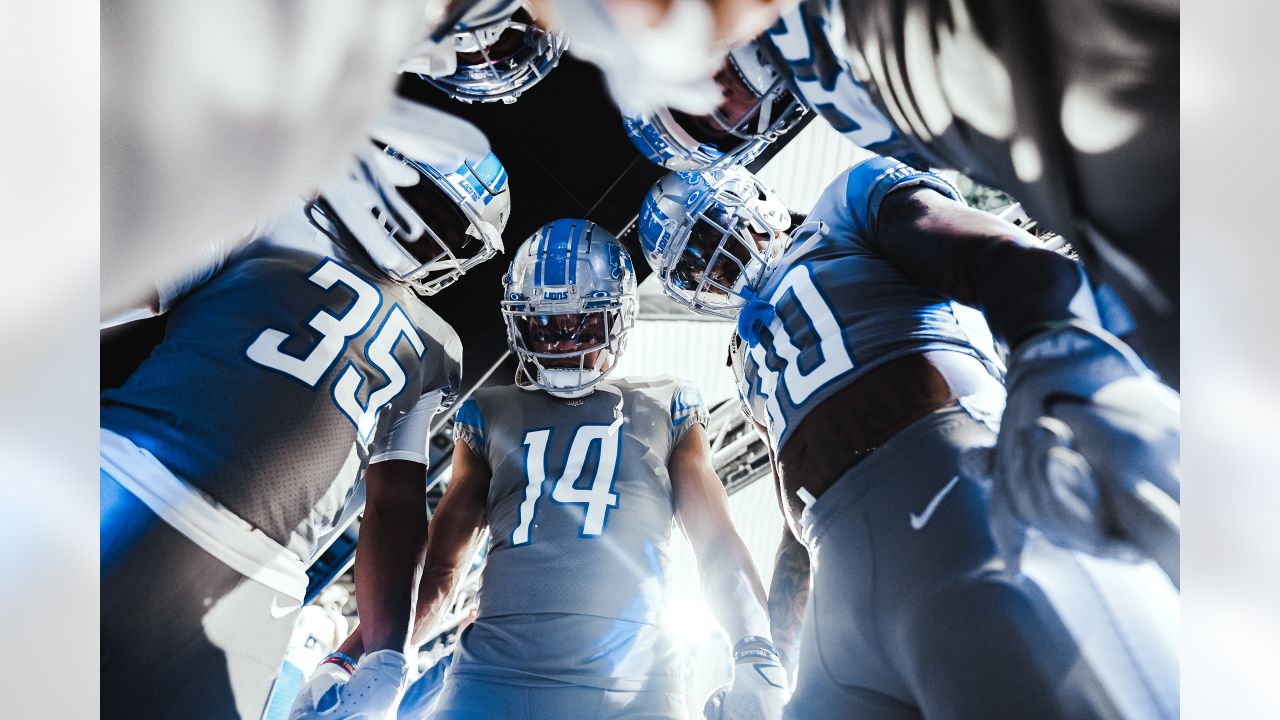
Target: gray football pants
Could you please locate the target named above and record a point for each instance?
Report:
(184, 637)
(912, 614)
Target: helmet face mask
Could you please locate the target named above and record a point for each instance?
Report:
(756, 107)
(499, 57)
(568, 303)
(712, 237)
(423, 227)
(454, 237)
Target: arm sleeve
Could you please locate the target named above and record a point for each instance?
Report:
(687, 410)
(410, 434)
(869, 182)
(468, 426)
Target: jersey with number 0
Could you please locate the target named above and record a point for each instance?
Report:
(843, 308)
(283, 373)
(805, 38)
(580, 513)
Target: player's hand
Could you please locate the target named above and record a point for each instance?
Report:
(1087, 452)
(372, 692)
(758, 692)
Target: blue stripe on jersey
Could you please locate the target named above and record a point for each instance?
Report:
(469, 416)
(687, 403)
(871, 180)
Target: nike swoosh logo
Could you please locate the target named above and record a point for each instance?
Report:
(278, 612)
(760, 667)
(919, 521)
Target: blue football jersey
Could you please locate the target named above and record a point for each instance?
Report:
(805, 39)
(282, 373)
(843, 308)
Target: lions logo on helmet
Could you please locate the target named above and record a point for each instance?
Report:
(712, 236)
(756, 108)
(500, 52)
(423, 226)
(569, 300)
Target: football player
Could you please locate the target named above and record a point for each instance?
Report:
(288, 366)
(870, 380)
(1069, 107)
(577, 477)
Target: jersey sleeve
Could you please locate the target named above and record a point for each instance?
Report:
(410, 434)
(213, 257)
(687, 410)
(868, 183)
(468, 426)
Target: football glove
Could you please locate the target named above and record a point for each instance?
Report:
(1087, 452)
(759, 689)
(372, 692)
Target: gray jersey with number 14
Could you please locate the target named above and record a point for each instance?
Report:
(580, 513)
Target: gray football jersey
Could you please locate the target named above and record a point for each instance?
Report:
(580, 513)
(281, 374)
(842, 308)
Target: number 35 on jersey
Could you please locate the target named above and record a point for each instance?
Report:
(336, 331)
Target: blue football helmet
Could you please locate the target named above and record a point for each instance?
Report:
(712, 236)
(569, 300)
(757, 108)
(501, 52)
(424, 226)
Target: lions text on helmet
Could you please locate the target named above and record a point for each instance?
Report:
(568, 301)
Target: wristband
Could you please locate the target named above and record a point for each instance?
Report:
(741, 651)
(342, 660)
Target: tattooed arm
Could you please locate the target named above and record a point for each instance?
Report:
(788, 596)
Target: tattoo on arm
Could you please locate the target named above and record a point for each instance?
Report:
(788, 596)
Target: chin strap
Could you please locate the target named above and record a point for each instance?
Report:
(549, 377)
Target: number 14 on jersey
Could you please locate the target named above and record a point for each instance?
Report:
(598, 498)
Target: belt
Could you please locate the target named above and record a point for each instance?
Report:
(847, 427)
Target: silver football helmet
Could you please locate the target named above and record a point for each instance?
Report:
(569, 300)
(712, 237)
(423, 225)
(756, 108)
(500, 53)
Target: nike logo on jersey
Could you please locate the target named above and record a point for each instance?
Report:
(278, 612)
(919, 521)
